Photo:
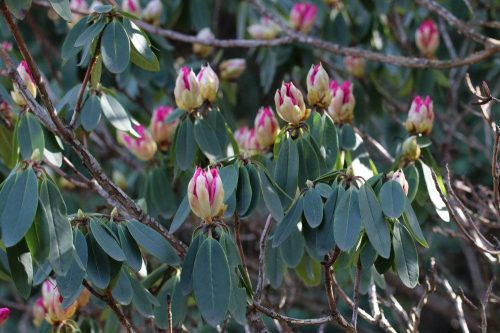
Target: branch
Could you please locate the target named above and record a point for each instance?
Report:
(79, 101)
(262, 254)
(457, 301)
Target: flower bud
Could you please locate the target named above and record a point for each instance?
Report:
(302, 16)
(399, 176)
(232, 68)
(266, 127)
(427, 38)
(206, 194)
(4, 315)
(421, 116)
(252, 145)
(341, 108)
(163, 132)
(52, 302)
(411, 149)
(355, 66)
(25, 74)
(201, 50)
(318, 90)
(77, 6)
(265, 30)
(132, 7)
(241, 137)
(209, 83)
(290, 104)
(7, 46)
(187, 90)
(152, 12)
(143, 147)
(39, 312)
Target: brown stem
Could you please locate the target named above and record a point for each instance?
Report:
(169, 314)
(79, 99)
(355, 307)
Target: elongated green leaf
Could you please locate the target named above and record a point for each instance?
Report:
(19, 209)
(291, 219)
(178, 303)
(309, 271)
(255, 185)
(230, 249)
(62, 8)
(142, 299)
(308, 161)
(91, 113)
(243, 191)
(90, 33)
(38, 238)
(313, 208)
(271, 198)
(30, 136)
(21, 268)
(274, 266)
(105, 240)
(374, 222)
(229, 176)
(122, 291)
(153, 242)
(411, 220)
(185, 145)
(413, 178)
(211, 281)
(392, 199)
(115, 113)
(211, 135)
(70, 285)
(406, 258)
(188, 264)
(347, 137)
(330, 142)
(292, 248)
(68, 49)
(181, 215)
(141, 55)
(433, 192)
(98, 267)
(130, 248)
(18, 8)
(287, 168)
(115, 47)
(8, 149)
(347, 220)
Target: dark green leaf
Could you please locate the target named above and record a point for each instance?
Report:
(130, 248)
(21, 268)
(70, 285)
(291, 219)
(287, 168)
(185, 145)
(243, 191)
(30, 136)
(38, 239)
(91, 113)
(181, 215)
(412, 176)
(211, 135)
(292, 248)
(68, 49)
(142, 299)
(115, 47)
(229, 177)
(115, 113)
(106, 241)
(347, 137)
(98, 266)
(188, 265)
(62, 8)
(122, 291)
(308, 161)
(309, 271)
(405, 256)
(230, 249)
(255, 185)
(313, 208)
(392, 199)
(411, 219)
(178, 303)
(90, 33)
(271, 198)
(347, 220)
(274, 266)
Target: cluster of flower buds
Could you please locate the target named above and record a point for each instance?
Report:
(411, 149)
(290, 104)
(152, 12)
(266, 29)
(302, 16)
(162, 131)
(427, 38)
(399, 177)
(201, 50)
(261, 136)
(143, 147)
(77, 6)
(318, 90)
(191, 90)
(25, 74)
(421, 116)
(355, 66)
(341, 108)
(132, 7)
(206, 194)
(49, 305)
(4, 315)
(232, 68)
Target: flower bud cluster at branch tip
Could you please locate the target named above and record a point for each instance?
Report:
(290, 104)
(232, 68)
(206, 194)
(355, 66)
(265, 30)
(341, 108)
(261, 136)
(399, 177)
(152, 12)
(132, 7)
(25, 74)
(201, 50)
(411, 149)
(4, 315)
(421, 116)
(143, 147)
(303, 16)
(318, 90)
(192, 90)
(163, 132)
(427, 38)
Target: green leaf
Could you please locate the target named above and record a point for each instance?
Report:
(406, 258)
(30, 136)
(91, 113)
(374, 222)
(130, 248)
(243, 191)
(291, 219)
(411, 220)
(287, 167)
(153, 242)
(18, 8)
(68, 49)
(142, 299)
(70, 285)
(62, 8)
(188, 265)
(106, 241)
(309, 271)
(185, 145)
(200, 13)
(330, 142)
(115, 113)
(267, 69)
(178, 304)
(292, 248)
(98, 266)
(38, 238)
(53, 211)
(229, 177)
(90, 33)
(308, 161)
(274, 266)
(271, 198)
(211, 281)
(230, 249)
(433, 192)
(347, 137)
(21, 268)
(122, 291)
(18, 211)
(255, 186)
(211, 135)
(313, 208)
(238, 304)
(347, 220)
(392, 199)
(412, 176)
(115, 47)
(141, 55)
(8, 149)
(181, 215)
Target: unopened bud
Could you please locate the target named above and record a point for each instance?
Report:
(341, 108)
(411, 149)
(232, 68)
(420, 116)
(202, 50)
(318, 90)
(302, 16)
(209, 83)
(290, 104)
(427, 38)
(187, 90)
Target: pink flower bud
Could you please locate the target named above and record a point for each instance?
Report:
(132, 7)
(252, 144)
(152, 12)
(232, 68)
(143, 147)
(341, 108)
(355, 65)
(201, 50)
(78, 6)
(266, 29)
(266, 127)
(25, 74)
(7, 46)
(290, 104)
(4, 315)
(421, 116)
(39, 312)
(241, 137)
(318, 90)
(399, 176)
(209, 83)
(163, 132)
(187, 90)
(302, 16)
(52, 303)
(427, 38)
(206, 194)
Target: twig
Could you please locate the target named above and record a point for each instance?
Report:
(484, 304)
(430, 286)
(357, 280)
(169, 314)
(457, 301)
(79, 100)
(262, 254)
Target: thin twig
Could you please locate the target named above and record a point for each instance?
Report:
(357, 279)
(83, 87)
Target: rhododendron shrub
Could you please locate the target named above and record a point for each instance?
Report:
(249, 166)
